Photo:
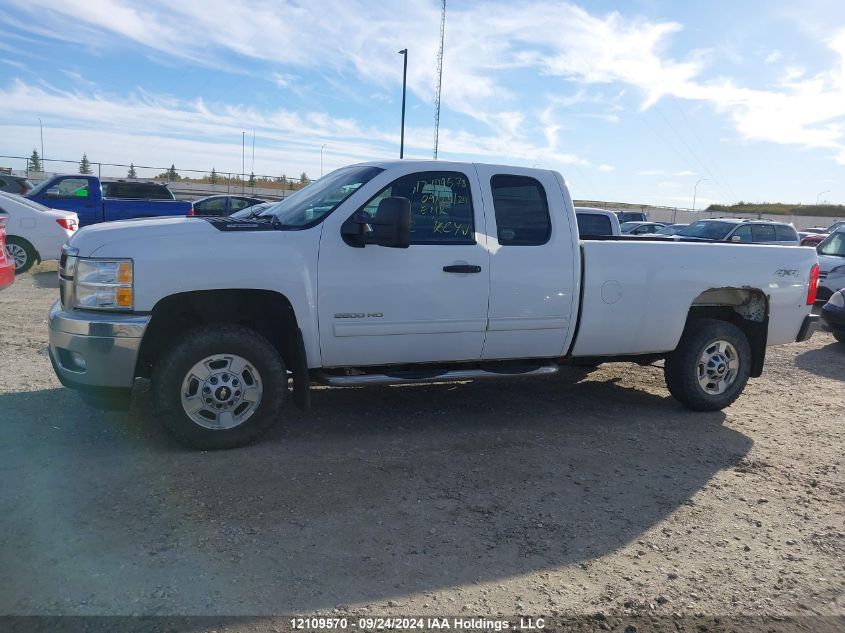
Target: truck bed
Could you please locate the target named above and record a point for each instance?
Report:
(632, 291)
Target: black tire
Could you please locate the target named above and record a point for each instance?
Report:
(171, 370)
(681, 370)
(29, 252)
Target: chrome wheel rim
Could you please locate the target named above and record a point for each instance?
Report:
(18, 253)
(221, 392)
(718, 367)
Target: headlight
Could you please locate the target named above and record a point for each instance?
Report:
(837, 300)
(836, 272)
(103, 284)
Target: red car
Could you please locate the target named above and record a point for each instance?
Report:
(815, 236)
(7, 264)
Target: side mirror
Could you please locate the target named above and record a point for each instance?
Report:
(392, 224)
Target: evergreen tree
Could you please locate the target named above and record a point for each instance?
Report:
(252, 180)
(213, 176)
(35, 161)
(303, 179)
(132, 173)
(172, 174)
(84, 165)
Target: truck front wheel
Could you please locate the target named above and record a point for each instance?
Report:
(219, 387)
(710, 367)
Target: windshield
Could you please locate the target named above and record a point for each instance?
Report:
(707, 230)
(251, 212)
(627, 226)
(312, 203)
(670, 230)
(833, 245)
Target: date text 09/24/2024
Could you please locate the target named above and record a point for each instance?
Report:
(415, 623)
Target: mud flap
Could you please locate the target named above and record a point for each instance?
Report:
(301, 377)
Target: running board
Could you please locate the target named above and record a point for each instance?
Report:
(437, 375)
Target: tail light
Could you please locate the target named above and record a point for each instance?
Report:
(814, 285)
(2, 237)
(191, 212)
(69, 224)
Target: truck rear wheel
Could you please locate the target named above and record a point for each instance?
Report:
(219, 387)
(710, 367)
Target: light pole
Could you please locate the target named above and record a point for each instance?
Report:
(321, 159)
(695, 191)
(41, 128)
(243, 160)
(404, 54)
(821, 193)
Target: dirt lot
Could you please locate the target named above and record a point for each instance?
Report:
(583, 493)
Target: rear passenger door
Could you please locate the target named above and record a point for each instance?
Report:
(532, 275)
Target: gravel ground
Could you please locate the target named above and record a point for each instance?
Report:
(588, 493)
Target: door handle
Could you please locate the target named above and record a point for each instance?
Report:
(462, 268)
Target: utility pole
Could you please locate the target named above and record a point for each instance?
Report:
(404, 53)
(41, 128)
(243, 161)
(321, 159)
(439, 78)
(252, 169)
(695, 192)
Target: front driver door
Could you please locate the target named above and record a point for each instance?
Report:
(380, 306)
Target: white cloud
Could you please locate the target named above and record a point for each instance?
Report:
(606, 168)
(685, 172)
(774, 57)
(484, 43)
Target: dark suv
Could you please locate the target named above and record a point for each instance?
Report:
(15, 184)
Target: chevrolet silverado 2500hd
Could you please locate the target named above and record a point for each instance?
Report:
(405, 272)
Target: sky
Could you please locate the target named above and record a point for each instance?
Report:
(631, 101)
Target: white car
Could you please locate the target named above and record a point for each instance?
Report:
(34, 233)
(832, 264)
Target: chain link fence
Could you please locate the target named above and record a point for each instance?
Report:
(184, 183)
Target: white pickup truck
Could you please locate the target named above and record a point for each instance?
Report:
(405, 272)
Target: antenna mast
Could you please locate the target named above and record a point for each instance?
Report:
(439, 78)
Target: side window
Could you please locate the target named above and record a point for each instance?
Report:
(441, 206)
(522, 211)
(214, 205)
(743, 233)
(763, 233)
(786, 233)
(593, 224)
(69, 188)
(2, 183)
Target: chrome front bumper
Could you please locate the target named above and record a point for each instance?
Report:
(91, 350)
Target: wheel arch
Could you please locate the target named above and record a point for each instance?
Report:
(268, 312)
(747, 308)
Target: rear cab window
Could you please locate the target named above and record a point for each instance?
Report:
(522, 210)
(593, 224)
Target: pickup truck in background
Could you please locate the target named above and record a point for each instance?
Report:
(405, 272)
(593, 222)
(90, 199)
